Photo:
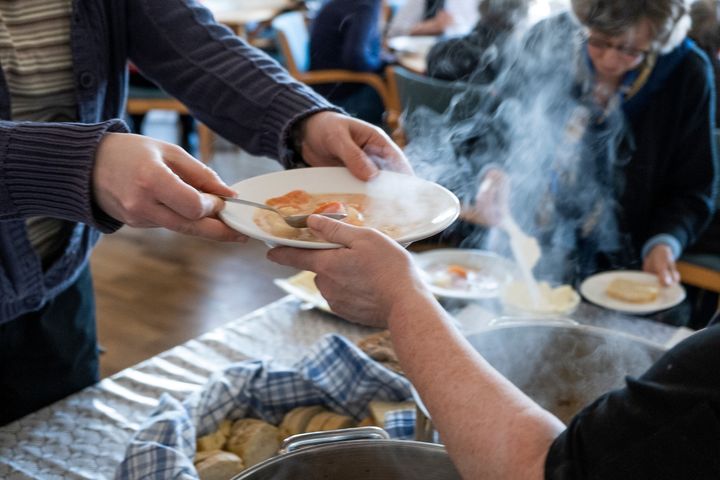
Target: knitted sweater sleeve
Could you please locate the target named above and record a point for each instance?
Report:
(46, 170)
(234, 88)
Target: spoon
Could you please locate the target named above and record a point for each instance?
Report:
(526, 251)
(295, 221)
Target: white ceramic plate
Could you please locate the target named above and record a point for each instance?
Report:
(303, 287)
(593, 289)
(493, 272)
(439, 208)
(412, 44)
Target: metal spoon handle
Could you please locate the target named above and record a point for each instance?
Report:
(247, 202)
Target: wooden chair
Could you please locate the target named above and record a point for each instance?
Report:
(294, 42)
(702, 269)
(141, 100)
(409, 90)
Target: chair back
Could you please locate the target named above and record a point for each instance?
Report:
(294, 41)
(414, 90)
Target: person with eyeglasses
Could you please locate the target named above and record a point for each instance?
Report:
(604, 125)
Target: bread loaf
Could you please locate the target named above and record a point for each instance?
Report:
(632, 291)
(297, 419)
(253, 440)
(379, 347)
(219, 466)
(215, 440)
(329, 421)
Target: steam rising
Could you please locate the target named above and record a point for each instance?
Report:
(538, 122)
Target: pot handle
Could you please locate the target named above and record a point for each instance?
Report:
(303, 440)
(538, 320)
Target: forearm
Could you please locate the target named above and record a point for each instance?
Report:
(46, 170)
(234, 88)
(491, 429)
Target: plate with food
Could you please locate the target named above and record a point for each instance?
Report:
(404, 207)
(631, 291)
(464, 273)
(520, 298)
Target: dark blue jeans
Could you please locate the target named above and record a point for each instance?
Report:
(49, 354)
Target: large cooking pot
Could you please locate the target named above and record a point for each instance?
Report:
(561, 366)
(365, 453)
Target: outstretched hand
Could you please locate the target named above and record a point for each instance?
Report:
(144, 182)
(331, 139)
(361, 281)
(661, 262)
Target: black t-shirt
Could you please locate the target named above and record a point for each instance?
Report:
(663, 425)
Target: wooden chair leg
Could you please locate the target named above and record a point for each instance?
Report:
(206, 138)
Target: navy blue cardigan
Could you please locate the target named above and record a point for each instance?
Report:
(46, 168)
(345, 35)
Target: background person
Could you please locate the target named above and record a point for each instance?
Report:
(68, 170)
(478, 56)
(434, 17)
(603, 123)
(345, 35)
(662, 425)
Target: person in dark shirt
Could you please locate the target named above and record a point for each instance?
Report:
(664, 424)
(345, 34)
(706, 33)
(478, 57)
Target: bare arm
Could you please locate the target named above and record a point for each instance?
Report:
(491, 429)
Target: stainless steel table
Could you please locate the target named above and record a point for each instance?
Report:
(84, 435)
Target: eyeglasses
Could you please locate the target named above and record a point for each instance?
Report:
(630, 53)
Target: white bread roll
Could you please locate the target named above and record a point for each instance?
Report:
(219, 466)
(297, 419)
(215, 440)
(253, 440)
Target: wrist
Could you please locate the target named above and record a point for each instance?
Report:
(663, 239)
(411, 301)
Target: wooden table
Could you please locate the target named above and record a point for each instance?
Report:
(411, 51)
(85, 435)
(237, 14)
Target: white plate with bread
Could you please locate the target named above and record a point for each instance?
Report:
(631, 291)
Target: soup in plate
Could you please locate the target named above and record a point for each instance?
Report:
(361, 209)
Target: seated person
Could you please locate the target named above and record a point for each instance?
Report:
(603, 127)
(478, 56)
(434, 17)
(663, 425)
(345, 34)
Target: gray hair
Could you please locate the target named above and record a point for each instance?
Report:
(668, 19)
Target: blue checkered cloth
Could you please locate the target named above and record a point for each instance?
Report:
(335, 373)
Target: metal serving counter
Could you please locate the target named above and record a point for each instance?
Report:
(85, 435)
